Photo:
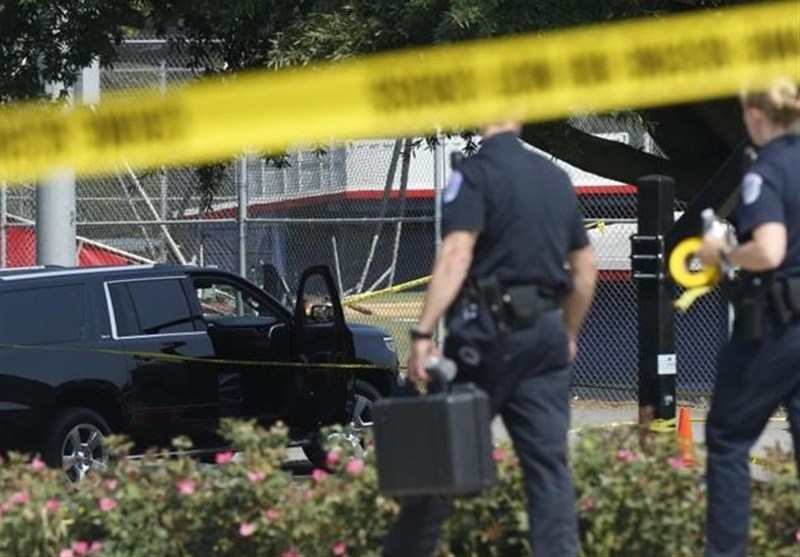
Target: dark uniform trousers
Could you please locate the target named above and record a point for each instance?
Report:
(753, 380)
(532, 397)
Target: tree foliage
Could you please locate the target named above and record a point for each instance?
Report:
(42, 41)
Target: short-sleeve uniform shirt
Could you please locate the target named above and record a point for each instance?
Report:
(524, 208)
(770, 193)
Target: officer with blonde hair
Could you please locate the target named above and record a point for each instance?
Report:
(759, 369)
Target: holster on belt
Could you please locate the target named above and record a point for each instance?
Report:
(515, 307)
(784, 296)
(750, 307)
(760, 300)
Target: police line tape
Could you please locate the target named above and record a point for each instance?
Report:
(533, 77)
(309, 366)
(600, 225)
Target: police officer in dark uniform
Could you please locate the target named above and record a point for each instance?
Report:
(759, 369)
(515, 276)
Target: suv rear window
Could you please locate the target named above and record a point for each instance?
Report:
(43, 315)
(151, 307)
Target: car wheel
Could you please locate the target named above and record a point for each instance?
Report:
(365, 396)
(75, 443)
(352, 435)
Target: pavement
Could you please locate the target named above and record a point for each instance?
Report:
(587, 414)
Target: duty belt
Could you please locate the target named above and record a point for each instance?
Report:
(514, 307)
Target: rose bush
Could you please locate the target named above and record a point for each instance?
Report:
(631, 502)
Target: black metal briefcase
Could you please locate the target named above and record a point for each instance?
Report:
(436, 444)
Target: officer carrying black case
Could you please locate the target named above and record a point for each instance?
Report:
(435, 444)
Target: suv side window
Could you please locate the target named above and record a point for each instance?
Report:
(223, 299)
(151, 307)
(43, 315)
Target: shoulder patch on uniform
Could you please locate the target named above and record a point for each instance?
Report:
(751, 187)
(453, 186)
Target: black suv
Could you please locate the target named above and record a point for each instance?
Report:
(156, 351)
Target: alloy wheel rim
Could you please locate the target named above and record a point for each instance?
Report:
(83, 450)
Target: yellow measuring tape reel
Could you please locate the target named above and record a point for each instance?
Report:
(535, 77)
(687, 271)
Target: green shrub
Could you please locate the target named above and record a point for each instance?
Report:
(631, 502)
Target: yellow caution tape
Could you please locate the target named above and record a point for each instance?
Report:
(397, 288)
(690, 296)
(356, 298)
(161, 356)
(680, 261)
(697, 281)
(534, 77)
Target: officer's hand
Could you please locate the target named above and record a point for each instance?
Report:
(710, 249)
(420, 350)
(572, 349)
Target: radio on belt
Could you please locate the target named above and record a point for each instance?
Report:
(436, 444)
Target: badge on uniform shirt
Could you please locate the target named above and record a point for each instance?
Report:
(751, 187)
(453, 186)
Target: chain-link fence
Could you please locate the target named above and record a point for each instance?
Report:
(367, 210)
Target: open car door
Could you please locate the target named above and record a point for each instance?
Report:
(321, 336)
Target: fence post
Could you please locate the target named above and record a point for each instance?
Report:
(3, 218)
(657, 365)
(439, 172)
(241, 214)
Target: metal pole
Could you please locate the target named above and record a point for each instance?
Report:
(55, 197)
(163, 171)
(438, 186)
(3, 220)
(55, 208)
(241, 215)
(656, 317)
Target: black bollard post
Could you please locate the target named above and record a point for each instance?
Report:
(657, 363)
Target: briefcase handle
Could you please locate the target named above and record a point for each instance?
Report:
(441, 371)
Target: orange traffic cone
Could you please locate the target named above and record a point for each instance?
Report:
(685, 440)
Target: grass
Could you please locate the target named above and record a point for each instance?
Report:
(393, 312)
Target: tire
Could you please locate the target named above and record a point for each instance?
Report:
(75, 442)
(365, 396)
(352, 436)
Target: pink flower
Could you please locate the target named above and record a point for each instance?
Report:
(290, 553)
(587, 504)
(332, 459)
(107, 504)
(80, 547)
(355, 467)
(246, 529)
(677, 463)
(309, 495)
(256, 476)
(339, 548)
(66, 553)
(111, 484)
(272, 514)
(186, 486)
(624, 455)
(37, 464)
(19, 498)
(499, 454)
(223, 458)
(797, 535)
(318, 474)
(52, 505)
(95, 547)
